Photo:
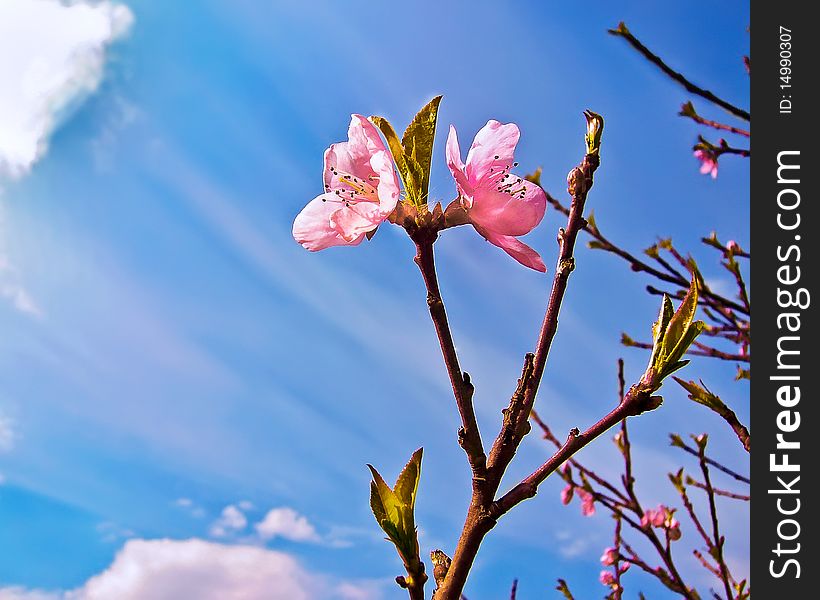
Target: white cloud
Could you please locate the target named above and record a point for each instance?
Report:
(52, 55)
(230, 521)
(287, 523)
(18, 593)
(167, 569)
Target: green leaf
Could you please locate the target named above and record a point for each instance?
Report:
(376, 504)
(677, 480)
(390, 503)
(591, 219)
(564, 589)
(393, 508)
(659, 332)
(681, 320)
(408, 482)
(688, 110)
(688, 337)
(397, 150)
(417, 142)
(534, 177)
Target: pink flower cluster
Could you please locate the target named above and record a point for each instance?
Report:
(608, 558)
(708, 162)
(361, 190)
(662, 518)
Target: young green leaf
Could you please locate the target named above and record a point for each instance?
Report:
(391, 506)
(682, 318)
(417, 142)
(408, 482)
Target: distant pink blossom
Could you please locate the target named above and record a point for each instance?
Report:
(732, 246)
(361, 189)
(624, 567)
(607, 578)
(566, 494)
(708, 162)
(587, 502)
(609, 556)
(654, 517)
(500, 205)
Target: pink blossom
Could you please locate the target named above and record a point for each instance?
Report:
(609, 556)
(708, 162)
(566, 494)
(587, 503)
(499, 204)
(732, 246)
(607, 578)
(659, 516)
(361, 190)
(624, 567)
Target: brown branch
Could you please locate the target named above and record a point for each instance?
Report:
(636, 401)
(690, 87)
(716, 125)
(688, 110)
(480, 518)
(718, 539)
(718, 491)
(468, 436)
(585, 471)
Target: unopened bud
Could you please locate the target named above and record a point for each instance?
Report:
(595, 127)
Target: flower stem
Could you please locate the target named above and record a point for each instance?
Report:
(468, 436)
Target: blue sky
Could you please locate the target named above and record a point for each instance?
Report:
(178, 353)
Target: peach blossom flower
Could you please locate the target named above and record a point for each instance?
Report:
(500, 205)
(361, 190)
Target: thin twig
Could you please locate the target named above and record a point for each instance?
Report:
(682, 445)
(718, 539)
(690, 87)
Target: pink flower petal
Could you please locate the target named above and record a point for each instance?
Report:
(354, 220)
(566, 494)
(515, 248)
(609, 556)
(513, 207)
(312, 227)
(493, 147)
(456, 166)
(387, 189)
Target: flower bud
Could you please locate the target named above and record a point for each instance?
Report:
(595, 127)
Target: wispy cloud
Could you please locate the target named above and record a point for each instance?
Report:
(11, 286)
(8, 435)
(52, 56)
